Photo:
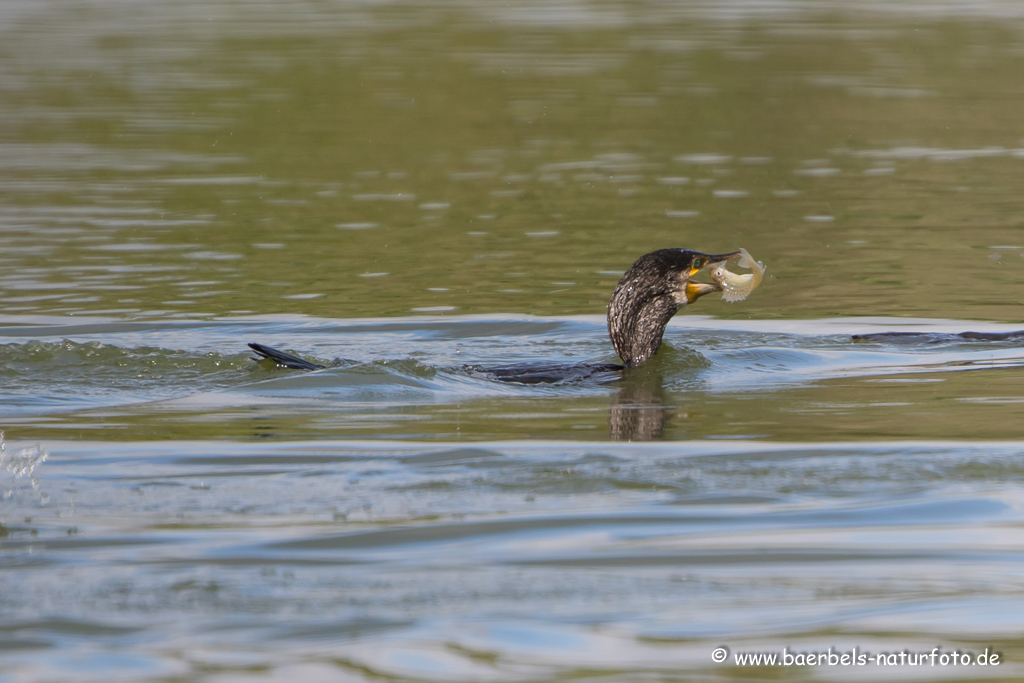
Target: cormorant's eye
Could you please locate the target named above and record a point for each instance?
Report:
(697, 263)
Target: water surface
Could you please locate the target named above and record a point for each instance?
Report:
(406, 190)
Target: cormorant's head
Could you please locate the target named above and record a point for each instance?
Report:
(654, 288)
(693, 289)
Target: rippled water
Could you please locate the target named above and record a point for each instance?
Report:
(409, 192)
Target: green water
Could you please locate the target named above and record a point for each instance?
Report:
(408, 189)
(174, 163)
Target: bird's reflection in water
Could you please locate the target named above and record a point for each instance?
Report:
(639, 411)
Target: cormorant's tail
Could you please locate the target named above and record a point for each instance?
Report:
(282, 358)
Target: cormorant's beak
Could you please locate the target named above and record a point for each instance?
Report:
(695, 290)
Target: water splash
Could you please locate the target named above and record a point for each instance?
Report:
(22, 464)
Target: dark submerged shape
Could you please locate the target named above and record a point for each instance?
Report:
(938, 337)
(653, 290)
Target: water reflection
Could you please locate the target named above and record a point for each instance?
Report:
(360, 140)
(639, 412)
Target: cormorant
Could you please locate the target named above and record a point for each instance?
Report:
(653, 290)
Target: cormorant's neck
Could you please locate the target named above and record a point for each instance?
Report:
(636, 320)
